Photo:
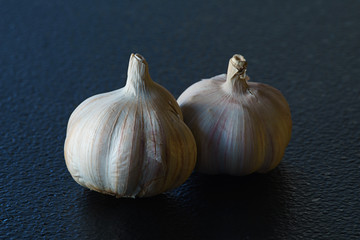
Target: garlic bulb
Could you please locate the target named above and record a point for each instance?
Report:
(240, 127)
(131, 142)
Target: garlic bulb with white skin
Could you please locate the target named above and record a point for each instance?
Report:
(131, 142)
(240, 127)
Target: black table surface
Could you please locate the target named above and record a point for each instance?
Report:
(55, 54)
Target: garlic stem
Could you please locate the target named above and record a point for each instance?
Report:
(138, 74)
(236, 74)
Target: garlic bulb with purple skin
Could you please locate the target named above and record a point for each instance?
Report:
(240, 127)
(131, 142)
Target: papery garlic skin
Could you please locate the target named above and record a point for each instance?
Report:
(240, 127)
(130, 142)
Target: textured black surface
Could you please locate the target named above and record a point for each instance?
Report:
(54, 54)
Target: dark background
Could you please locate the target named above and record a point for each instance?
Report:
(55, 54)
